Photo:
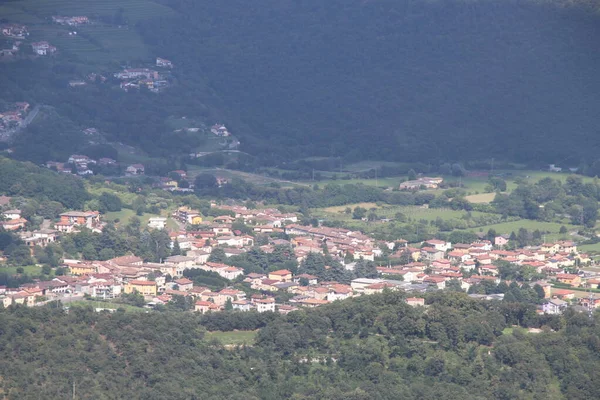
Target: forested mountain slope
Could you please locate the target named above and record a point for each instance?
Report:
(373, 347)
(397, 79)
(406, 80)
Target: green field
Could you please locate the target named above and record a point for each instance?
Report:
(133, 10)
(531, 225)
(592, 248)
(29, 270)
(389, 211)
(233, 338)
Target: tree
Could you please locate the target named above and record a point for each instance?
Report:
(176, 249)
(109, 202)
(205, 182)
(359, 213)
(106, 254)
(217, 255)
(412, 175)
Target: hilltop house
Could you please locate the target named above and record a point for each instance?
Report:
(163, 62)
(219, 130)
(135, 169)
(89, 219)
(43, 48)
(157, 222)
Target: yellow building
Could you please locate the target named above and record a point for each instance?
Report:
(196, 219)
(282, 275)
(82, 269)
(147, 288)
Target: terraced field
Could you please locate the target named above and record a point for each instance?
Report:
(133, 10)
(99, 43)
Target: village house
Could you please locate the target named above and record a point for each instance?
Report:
(554, 306)
(221, 229)
(41, 238)
(205, 306)
(415, 301)
(219, 130)
(424, 182)
(146, 288)
(70, 21)
(43, 48)
(71, 219)
(132, 73)
(15, 31)
(282, 275)
(134, 169)
(157, 222)
(569, 279)
(440, 245)
(264, 305)
(180, 263)
(163, 62)
(184, 284)
(14, 224)
(11, 214)
(501, 241)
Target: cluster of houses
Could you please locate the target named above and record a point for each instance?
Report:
(20, 33)
(81, 164)
(219, 130)
(438, 261)
(15, 31)
(70, 21)
(430, 266)
(70, 221)
(134, 78)
(163, 63)
(11, 119)
(422, 183)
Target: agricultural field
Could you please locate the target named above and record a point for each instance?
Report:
(126, 214)
(589, 248)
(133, 10)
(232, 338)
(393, 182)
(507, 227)
(482, 198)
(99, 43)
(389, 211)
(29, 270)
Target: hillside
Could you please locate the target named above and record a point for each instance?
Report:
(373, 347)
(393, 80)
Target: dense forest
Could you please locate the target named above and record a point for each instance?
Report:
(372, 347)
(395, 80)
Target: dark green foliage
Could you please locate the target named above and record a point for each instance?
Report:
(355, 85)
(28, 180)
(109, 202)
(372, 347)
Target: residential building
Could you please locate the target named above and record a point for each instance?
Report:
(146, 288)
(554, 306)
(282, 275)
(157, 222)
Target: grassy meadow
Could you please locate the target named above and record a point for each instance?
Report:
(233, 338)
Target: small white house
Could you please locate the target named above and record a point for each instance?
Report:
(157, 222)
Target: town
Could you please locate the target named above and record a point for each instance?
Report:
(417, 268)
